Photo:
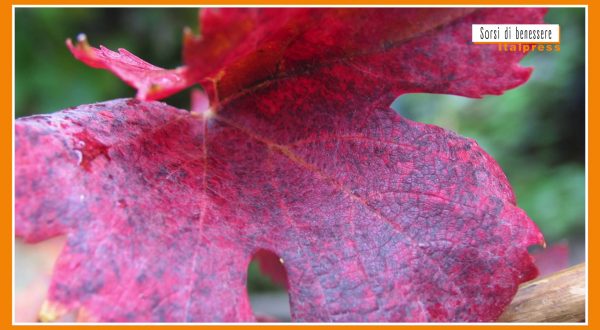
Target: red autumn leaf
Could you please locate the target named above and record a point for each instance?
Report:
(271, 265)
(552, 259)
(376, 217)
(405, 50)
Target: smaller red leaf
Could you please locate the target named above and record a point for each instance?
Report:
(266, 319)
(200, 103)
(552, 259)
(151, 82)
(272, 266)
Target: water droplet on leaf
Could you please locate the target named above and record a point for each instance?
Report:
(88, 149)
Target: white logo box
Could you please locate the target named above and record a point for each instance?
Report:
(516, 33)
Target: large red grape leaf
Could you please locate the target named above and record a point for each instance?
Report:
(377, 218)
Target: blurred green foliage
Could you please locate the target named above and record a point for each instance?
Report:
(536, 132)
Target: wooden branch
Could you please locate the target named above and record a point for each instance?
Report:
(559, 297)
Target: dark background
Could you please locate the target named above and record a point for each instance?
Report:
(536, 132)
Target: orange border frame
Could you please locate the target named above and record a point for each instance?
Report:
(6, 126)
